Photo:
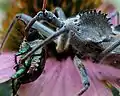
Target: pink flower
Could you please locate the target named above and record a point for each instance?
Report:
(62, 78)
(109, 7)
(6, 66)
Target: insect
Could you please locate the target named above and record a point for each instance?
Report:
(88, 33)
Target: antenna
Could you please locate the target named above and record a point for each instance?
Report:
(7, 34)
(34, 19)
(44, 5)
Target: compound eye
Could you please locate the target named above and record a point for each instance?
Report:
(75, 20)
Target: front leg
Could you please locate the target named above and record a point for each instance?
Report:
(42, 29)
(47, 16)
(62, 39)
(83, 74)
(45, 42)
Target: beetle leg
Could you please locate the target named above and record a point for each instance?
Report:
(20, 69)
(15, 87)
(32, 68)
(83, 74)
(24, 48)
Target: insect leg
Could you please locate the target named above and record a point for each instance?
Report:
(62, 39)
(15, 87)
(8, 32)
(107, 51)
(16, 78)
(33, 66)
(45, 42)
(48, 16)
(24, 48)
(42, 29)
(84, 75)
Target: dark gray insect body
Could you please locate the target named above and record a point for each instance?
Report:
(84, 32)
(86, 38)
(87, 32)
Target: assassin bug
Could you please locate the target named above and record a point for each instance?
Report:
(89, 33)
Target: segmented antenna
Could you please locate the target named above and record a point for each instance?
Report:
(44, 5)
(35, 18)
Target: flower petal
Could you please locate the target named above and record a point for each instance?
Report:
(62, 79)
(6, 66)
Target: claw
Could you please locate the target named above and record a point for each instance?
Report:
(83, 89)
(84, 76)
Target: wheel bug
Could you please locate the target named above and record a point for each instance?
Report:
(89, 33)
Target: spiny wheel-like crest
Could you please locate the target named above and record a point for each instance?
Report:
(96, 20)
